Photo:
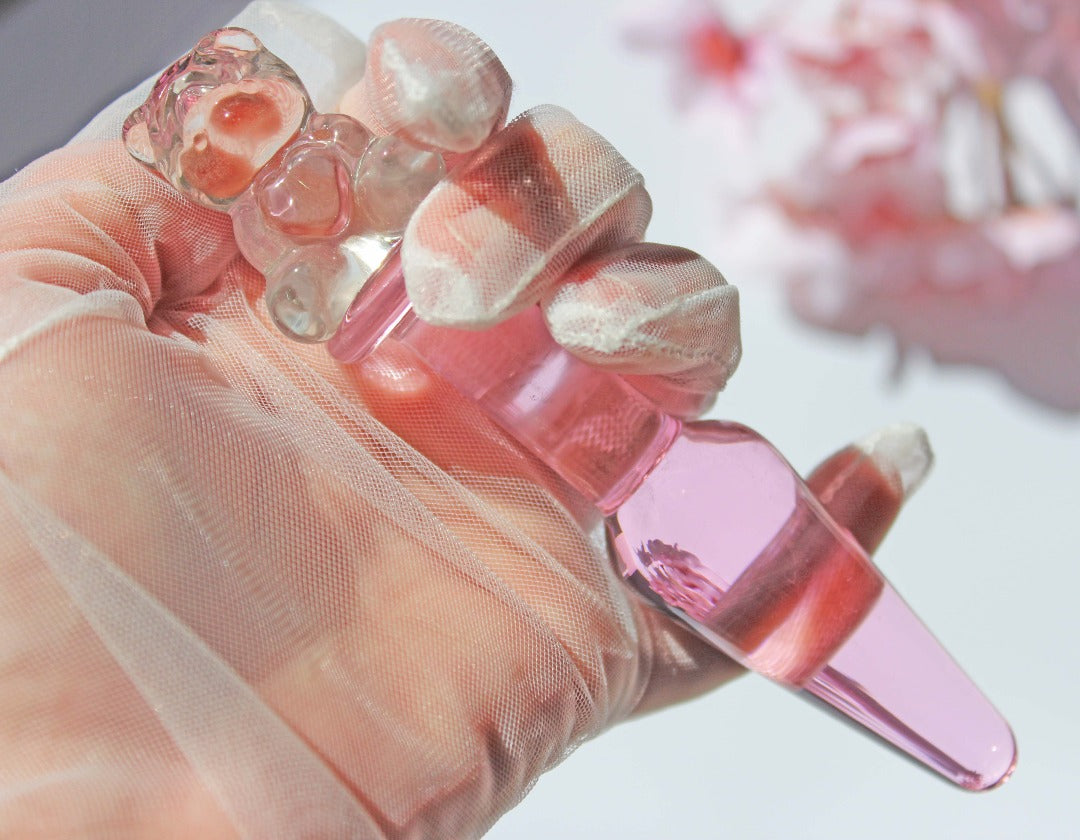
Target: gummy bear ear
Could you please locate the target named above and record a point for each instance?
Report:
(137, 138)
(231, 39)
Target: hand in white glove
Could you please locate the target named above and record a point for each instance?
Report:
(245, 592)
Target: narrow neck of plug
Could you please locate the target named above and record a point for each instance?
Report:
(591, 427)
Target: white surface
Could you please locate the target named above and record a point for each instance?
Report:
(987, 551)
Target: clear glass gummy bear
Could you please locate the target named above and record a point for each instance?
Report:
(706, 520)
(317, 200)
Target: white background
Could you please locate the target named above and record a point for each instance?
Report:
(988, 552)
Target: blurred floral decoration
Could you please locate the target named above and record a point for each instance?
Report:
(935, 191)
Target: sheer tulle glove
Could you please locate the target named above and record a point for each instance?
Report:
(247, 592)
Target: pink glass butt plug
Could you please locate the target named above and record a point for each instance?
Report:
(707, 521)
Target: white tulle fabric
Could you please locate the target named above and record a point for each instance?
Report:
(433, 83)
(506, 226)
(651, 308)
(248, 593)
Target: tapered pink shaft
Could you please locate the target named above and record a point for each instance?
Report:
(712, 525)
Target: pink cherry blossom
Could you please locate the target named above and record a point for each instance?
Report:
(927, 206)
(1003, 294)
(721, 71)
(884, 54)
(1038, 38)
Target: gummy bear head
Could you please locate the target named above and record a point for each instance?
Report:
(217, 116)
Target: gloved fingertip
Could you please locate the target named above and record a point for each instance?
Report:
(864, 490)
(510, 221)
(460, 262)
(648, 309)
(903, 449)
(432, 82)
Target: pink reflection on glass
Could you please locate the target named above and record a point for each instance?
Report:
(795, 585)
(709, 523)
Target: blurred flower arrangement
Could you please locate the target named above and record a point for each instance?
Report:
(936, 193)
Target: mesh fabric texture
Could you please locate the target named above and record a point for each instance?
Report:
(247, 592)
